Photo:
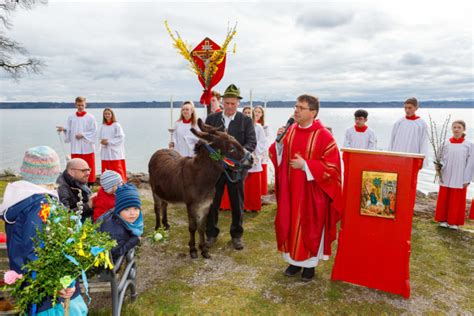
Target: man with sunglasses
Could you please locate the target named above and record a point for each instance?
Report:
(73, 187)
(308, 190)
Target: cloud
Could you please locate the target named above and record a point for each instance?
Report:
(121, 51)
(324, 18)
(412, 59)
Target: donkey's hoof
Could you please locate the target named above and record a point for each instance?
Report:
(206, 255)
(193, 254)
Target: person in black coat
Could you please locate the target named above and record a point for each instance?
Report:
(72, 183)
(125, 221)
(242, 129)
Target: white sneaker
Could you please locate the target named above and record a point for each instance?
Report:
(455, 227)
(443, 224)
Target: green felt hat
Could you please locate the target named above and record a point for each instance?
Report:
(232, 92)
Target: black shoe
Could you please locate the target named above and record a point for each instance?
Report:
(307, 275)
(237, 243)
(211, 241)
(292, 270)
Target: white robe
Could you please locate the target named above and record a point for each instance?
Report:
(184, 140)
(270, 138)
(260, 149)
(410, 136)
(86, 126)
(457, 164)
(115, 149)
(360, 140)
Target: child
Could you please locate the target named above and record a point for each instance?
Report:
(125, 223)
(183, 140)
(105, 198)
(81, 132)
(456, 176)
(112, 149)
(20, 210)
(410, 133)
(360, 135)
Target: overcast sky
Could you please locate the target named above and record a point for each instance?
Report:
(347, 51)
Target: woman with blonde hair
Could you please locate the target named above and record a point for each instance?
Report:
(112, 141)
(183, 140)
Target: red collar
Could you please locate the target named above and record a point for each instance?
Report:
(109, 123)
(412, 118)
(218, 110)
(456, 141)
(81, 114)
(361, 129)
(260, 121)
(185, 121)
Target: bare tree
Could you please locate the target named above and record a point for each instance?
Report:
(10, 50)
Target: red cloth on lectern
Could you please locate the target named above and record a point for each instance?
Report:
(117, 166)
(252, 192)
(90, 159)
(471, 212)
(451, 205)
(264, 179)
(306, 207)
(225, 202)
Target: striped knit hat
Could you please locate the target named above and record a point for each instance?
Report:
(109, 179)
(40, 165)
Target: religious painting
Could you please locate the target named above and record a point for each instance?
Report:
(378, 194)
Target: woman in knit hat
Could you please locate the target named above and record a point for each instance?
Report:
(20, 210)
(105, 198)
(125, 224)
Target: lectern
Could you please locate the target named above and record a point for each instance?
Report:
(374, 240)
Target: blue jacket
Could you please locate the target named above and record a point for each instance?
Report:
(119, 231)
(24, 220)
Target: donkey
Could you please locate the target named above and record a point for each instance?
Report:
(192, 180)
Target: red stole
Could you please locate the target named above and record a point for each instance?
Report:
(306, 207)
(412, 118)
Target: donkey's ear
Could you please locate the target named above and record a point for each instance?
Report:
(207, 128)
(202, 135)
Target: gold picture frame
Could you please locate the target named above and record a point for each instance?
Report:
(379, 194)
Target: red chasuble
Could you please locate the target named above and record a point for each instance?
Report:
(307, 208)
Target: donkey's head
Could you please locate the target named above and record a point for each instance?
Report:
(224, 147)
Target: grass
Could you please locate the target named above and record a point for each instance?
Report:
(251, 281)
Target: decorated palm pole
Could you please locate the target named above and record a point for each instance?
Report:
(207, 60)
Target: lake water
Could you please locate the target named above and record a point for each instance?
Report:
(147, 130)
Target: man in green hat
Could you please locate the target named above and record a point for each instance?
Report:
(242, 129)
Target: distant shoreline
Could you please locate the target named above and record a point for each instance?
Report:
(270, 104)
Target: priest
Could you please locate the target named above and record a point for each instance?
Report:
(308, 190)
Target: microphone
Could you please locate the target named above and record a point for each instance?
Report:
(288, 124)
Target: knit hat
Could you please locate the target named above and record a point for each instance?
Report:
(40, 165)
(109, 179)
(127, 196)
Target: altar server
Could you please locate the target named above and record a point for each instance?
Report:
(112, 147)
(456, 175)
(183, 140)
(360, 135)
(81, 132)
(410, 133)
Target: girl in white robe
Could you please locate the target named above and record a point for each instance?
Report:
(456, 174)
(183, 140)
(112, 144)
